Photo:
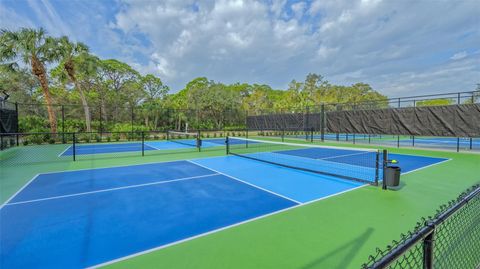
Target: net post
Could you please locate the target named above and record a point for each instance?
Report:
(413, 141)
(1, 141)
(143, 143)
(398, 141)
(17, 131)
(428, 246)
(369, 139)
(311, 134)
(199, 141)
(471, 143)
(73, 146)
(458, 144)
(384, 165)
(338, 136)
(227, 145)
(283, 134)
(354, 138)
(246, 136)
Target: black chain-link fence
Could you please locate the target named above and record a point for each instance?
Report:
(290, 122)
(72, 118)
(450, 239)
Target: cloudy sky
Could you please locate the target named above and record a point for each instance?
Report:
(400, 47)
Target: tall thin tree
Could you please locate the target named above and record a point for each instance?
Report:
(66, 52)
(30, 46)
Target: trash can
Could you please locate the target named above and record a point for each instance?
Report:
(392, 176)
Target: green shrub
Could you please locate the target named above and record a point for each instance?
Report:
(109, 139)
(51, 141)
(25, 142)
(37, 139)
(33, 124)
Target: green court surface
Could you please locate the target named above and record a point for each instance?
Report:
(337, 232)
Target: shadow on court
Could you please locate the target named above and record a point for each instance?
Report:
(342, 255)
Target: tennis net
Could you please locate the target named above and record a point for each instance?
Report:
(362, 165)
(184, 138)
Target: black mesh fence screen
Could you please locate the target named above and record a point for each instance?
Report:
(8, 121)
(453, 120)
(441, 121)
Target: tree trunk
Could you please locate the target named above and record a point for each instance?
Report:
(39, 71)
(69, 67)
(155, 121)
(86, 109)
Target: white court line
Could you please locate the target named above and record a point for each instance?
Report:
(80, 148)
(16, 193)
(111, 189)
(84, 148)
(244, 182)
(345, 155)
(148, 144)
(223, 228)
(414, 170)
(115, 166)
(60, 155)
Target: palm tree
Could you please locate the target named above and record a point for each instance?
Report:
(66, 52)
(32, 48)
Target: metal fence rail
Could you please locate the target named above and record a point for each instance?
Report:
(450, 239)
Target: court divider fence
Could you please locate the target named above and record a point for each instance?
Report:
(44, 147)
(449, 239)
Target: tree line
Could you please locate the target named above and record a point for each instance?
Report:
(38, 69)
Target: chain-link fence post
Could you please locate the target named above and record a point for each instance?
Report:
(74, 146)
(143, 143)
(63, 124)
(428, 250)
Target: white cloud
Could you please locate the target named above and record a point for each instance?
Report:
(459, 55)
(299, 9)
(396, 46)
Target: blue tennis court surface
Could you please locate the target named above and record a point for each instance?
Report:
(105, 148)
(77, 219)
(102, 148)
(446, 141)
